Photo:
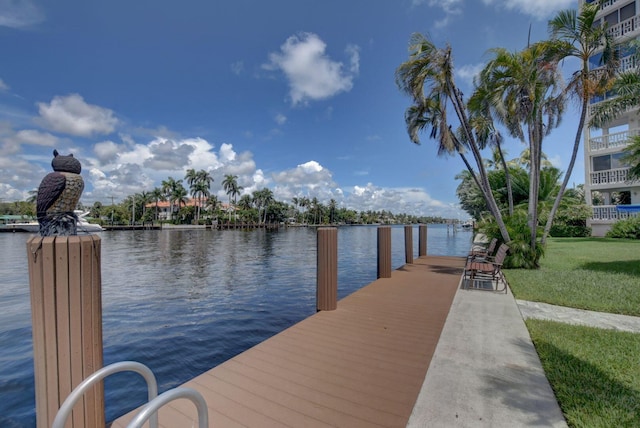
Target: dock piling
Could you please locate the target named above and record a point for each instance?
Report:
(408, 244)
(384, 252)
(66, 308)
(327, 265)
(422, 250)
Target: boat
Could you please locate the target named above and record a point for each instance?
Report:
(83, 225)
(468, 225)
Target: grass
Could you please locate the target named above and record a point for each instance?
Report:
(595, 373)
(587, 273)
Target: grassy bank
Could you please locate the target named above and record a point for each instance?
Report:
(587, 273)
(594, 373)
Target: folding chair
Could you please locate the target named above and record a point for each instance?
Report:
(488, 269)
(478, 253)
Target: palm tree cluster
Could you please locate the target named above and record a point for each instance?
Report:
(259, 206)
(522, 93)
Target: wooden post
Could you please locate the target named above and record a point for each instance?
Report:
(384, 252)
(422, 230)
(66, 308)
(327, 276)
(408, 244)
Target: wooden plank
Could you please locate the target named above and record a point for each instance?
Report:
(36, 282)
(49, 307)
(86, 278)
(96, 323)
(75, 320)
(62, 320)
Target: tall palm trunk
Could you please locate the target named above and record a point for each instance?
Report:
(459, 107)
(567, 175)
(507, 177)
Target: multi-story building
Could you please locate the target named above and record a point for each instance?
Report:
(607, 189)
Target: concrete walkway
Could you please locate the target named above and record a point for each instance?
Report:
(485, 371)
(545, 311)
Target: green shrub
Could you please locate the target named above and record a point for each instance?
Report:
(626, 229)
(520, 253)
(570, 231)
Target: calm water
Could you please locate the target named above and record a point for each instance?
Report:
(182, 302)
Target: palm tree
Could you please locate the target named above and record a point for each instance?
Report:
(632, 158)
(179, 195)
(230, 185)
(168, 189)
(482, 122)
(213, 203)
(332, 210)
(526, 99)
(427, 77)
(266, 199)
(295, 202)
(145, 197)
(304, 203)
(192, 180)
(581, 37)
(157, 196)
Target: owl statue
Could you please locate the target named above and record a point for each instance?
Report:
(58, 196)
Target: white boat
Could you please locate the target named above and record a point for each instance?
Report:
(83, 225)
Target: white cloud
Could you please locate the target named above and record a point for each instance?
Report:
(305, 177)
(237, 68)
(107, 151)
(72, 115)
(280, 119)
(539, 8)
(311, 73)
(227, 154)
(398, 200)
(37, 138)
(3, 86)
(468, 72)
(449, 7)
(19, 13)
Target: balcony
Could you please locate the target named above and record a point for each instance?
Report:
(611, 176)
(612, 141)
(625, 27)
(605, 4)
(614, 212)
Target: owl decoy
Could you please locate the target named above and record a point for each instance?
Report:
(58, 196)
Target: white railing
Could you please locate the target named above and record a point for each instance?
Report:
(607, 3)
(625, 27)
(610, 212)
(612, 141)
(610, 176)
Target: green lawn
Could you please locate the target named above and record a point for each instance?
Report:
(587, 273)
(594, 373)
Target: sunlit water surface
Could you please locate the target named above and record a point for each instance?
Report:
(182, 302)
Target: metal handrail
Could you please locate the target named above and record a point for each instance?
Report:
(151, 408)
(78, 392)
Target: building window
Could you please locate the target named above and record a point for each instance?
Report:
(602, 163)
(607, 162)
(628, 11)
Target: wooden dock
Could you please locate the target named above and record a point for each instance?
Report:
(361, 365)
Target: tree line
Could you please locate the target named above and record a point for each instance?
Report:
(260, 206)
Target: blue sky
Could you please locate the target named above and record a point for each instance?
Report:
(298, 96)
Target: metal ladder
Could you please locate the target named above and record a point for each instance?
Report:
(149, 411)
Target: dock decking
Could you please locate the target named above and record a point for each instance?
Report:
(361, 365)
